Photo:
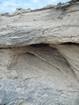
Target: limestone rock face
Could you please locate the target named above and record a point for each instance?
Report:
(48, 25)
(39, 56)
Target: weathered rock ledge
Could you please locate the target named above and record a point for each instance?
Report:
(39, 56)
(50, 25)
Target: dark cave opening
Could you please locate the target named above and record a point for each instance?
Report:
(40, 45)
(70, 43)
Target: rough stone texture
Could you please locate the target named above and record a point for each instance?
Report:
(46, 73)
(46, 25)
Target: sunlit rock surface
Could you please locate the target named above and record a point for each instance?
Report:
(39, 56)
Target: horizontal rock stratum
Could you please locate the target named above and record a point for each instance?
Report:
(39, 56)
(47, 25)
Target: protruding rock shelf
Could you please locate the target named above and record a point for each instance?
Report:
(52, 25)
(39, 56)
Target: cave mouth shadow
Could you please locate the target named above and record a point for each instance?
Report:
(70, 43)
(40, 45)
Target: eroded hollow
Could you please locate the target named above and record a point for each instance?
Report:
(36, 74)
(70, 43)
(40, 45)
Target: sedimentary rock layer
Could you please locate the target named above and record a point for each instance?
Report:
(39, 56)
(47, 25)
(40, 74)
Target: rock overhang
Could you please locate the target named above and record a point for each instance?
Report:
(51, 25)
(39, 56)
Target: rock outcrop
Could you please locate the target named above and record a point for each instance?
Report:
(39, 56)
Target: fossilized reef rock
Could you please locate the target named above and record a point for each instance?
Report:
(39, 56)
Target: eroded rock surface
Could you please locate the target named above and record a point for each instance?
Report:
(39, 75)
(39, 56)
(47, 25)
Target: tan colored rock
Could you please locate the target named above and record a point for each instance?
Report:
(39, 74)
(39, 56)
(47, 25)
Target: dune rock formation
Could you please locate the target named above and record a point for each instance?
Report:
(39, 56)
